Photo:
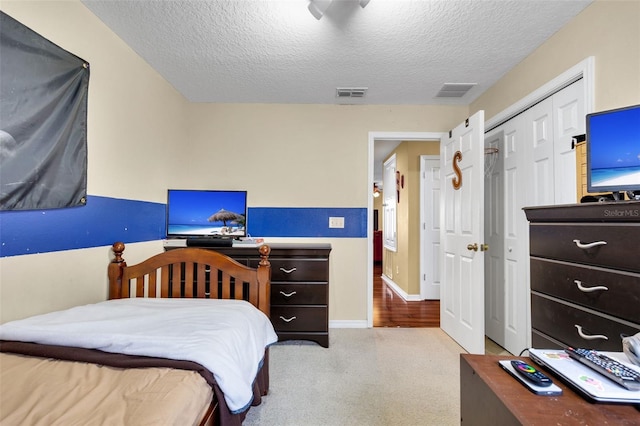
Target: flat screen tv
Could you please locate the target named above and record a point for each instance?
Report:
(613, 151)
(206, 213)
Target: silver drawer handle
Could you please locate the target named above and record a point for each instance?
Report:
(287, 319)
(287, 294)
(589, 245)
(585, 336)
(589, 289)
(288, 271)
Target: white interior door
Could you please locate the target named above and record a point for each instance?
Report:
(430, 227)
(568, 121)
(462, 234)
(494, 235)
(517, 189)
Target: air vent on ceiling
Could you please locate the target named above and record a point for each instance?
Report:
(454, 90)
(351, 92)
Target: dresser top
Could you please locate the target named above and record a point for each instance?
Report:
(620, 211)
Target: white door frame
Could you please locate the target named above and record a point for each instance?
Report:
(584, 69)
(373, 136)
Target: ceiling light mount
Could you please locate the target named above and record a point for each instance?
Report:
(319, 7)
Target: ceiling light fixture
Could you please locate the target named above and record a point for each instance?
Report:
(319, 7)
(376, 190)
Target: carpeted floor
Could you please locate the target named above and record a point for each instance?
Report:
(378, 376)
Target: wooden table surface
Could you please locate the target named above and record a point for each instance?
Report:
(569, 408)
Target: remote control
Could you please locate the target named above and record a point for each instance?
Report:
(530, 373)
(608, 367)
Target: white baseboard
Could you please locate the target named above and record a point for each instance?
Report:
(348, 324)
(400, 292)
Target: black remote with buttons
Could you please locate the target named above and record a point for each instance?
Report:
(608, 367)
(530, 373)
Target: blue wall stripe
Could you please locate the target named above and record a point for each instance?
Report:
(105, 220)
(101, 222)
(306, 222)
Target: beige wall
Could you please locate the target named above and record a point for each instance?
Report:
(609, 31)
(134, 120)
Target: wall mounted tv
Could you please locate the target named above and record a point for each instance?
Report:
(206, 213)
(613, 151)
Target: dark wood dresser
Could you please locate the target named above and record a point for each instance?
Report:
(585, 274)
(299, 288)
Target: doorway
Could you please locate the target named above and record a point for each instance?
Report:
(381, 145)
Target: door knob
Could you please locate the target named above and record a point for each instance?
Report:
(484, 247)
(472, 247)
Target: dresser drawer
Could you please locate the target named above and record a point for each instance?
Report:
(559, 320)
(613, 292)
(299, 294)
(298, 269)
(542, 341)
(299, 318)
(612, 245)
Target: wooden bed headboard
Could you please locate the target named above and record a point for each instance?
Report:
(191, 273)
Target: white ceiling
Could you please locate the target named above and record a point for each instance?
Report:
(275, 51)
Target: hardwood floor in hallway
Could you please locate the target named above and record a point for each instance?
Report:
(391, 310)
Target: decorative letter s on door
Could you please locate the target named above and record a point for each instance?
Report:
(457, 180)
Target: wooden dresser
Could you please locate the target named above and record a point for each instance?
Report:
(585, 274)
(299, 288)
(490, 396)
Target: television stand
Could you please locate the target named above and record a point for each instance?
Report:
(617, 195)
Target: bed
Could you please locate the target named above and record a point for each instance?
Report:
(183, 339)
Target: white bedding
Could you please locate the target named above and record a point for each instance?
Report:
(228, 337)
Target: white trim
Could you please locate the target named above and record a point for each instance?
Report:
(584, 69)
(399, 291)
(399, 136)
(348, 324)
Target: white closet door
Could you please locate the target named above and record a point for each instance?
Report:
(494, 282)
(541, 151)
(516, 244)
(538, 169)
(568, 121)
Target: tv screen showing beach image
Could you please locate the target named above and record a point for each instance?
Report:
(206, 213)
(614, 149)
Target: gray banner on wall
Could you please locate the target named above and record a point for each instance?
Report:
(43, 121)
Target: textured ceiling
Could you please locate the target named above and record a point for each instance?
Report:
(275, 51)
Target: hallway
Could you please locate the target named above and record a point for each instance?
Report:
(391, 310)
